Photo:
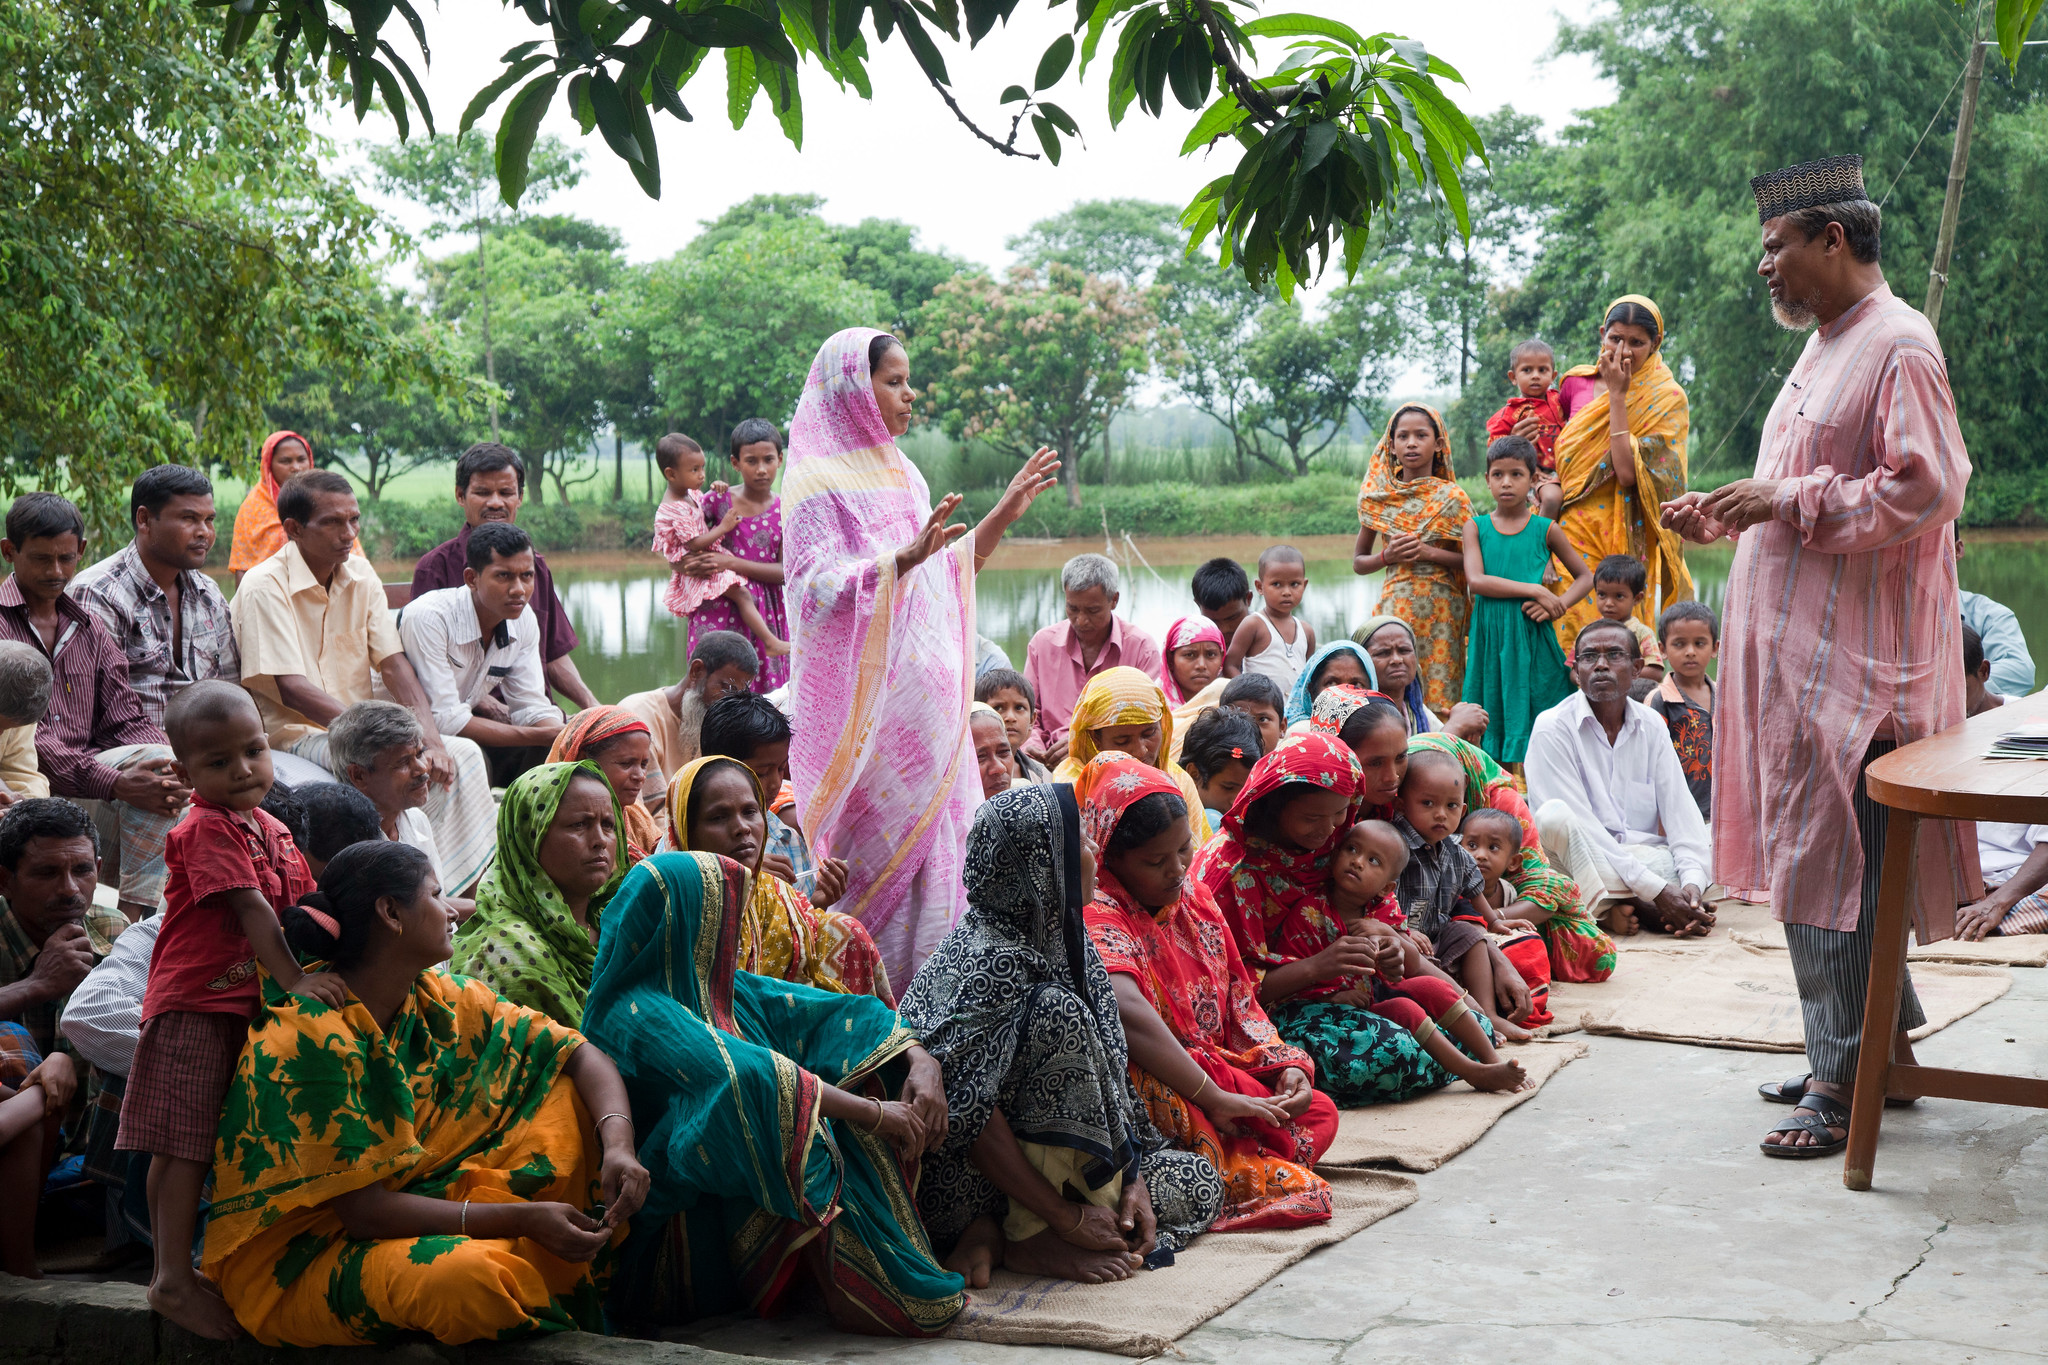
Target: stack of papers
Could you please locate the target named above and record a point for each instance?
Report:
(2028, 741)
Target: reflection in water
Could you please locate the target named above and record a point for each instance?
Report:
(630, 643)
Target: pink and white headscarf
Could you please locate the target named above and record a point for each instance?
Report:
(883, 668)
(1182, 633)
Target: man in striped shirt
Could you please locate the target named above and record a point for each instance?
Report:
(1840, 637)
(94, 743)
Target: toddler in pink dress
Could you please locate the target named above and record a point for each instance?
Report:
(679, 532)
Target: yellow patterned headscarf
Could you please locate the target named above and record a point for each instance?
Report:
(1125, 696)
(1600, 516)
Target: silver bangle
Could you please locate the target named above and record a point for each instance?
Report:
(627, 1117)
(462, 1228)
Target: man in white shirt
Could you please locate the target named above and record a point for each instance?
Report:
(463, 642)
(1612, 806)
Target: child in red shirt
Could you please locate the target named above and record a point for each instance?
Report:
(232, 866)
(1532, 368)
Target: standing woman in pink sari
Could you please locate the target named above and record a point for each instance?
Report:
(881, 602)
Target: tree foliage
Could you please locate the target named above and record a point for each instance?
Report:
(170, 249)
(555, 318)
(1046, 358)
(1650, 195)
(1329, 136)
(730, 331)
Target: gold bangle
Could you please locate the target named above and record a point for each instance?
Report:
(876, 1126)
(1080, 1217)
(1198, 1090)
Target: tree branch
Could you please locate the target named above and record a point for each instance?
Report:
(1006, 148)
(1247, 91)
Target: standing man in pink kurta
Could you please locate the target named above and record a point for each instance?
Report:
(1842, 631)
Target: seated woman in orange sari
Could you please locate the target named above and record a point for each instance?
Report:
(1210, 1068)
(258, 532)
(715, 806)
(622, 747)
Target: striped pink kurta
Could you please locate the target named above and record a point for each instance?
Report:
(1842, 620)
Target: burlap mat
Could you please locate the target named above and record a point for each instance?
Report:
(2021, 950)
(1143, 1316)
(1744, 997)
(1422, 1134)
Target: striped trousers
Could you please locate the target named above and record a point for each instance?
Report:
(1832, 967)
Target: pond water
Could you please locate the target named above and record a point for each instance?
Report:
(630, 643)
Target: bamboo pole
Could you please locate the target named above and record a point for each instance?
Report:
(1958, 167)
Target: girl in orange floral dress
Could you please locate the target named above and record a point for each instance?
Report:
(1410, 497)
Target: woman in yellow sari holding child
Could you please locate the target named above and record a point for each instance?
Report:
(1621, 455)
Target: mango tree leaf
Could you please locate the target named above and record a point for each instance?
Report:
(488, 96)
(516, 134)
(1047, 137)
(419, 96)
(610, 109)
(1305, 26)
(741, 81)
(1013, 94)
(1061, 119)
(1054, 63)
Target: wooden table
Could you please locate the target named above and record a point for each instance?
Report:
(1942, 777)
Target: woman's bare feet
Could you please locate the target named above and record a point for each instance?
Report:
(1046, 1254)
(978, 1253)
(196, 1306)
(1498, 1076)
(1620, 918)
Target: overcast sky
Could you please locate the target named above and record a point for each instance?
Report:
(903, 155)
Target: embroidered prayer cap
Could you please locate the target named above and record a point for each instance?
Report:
(1831, 180)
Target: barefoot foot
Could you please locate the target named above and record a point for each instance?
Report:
(194, 1305)
(1510, 1032)
(1620, 918)
(1046, 1254)
(1499, 1076)
(978, 1253)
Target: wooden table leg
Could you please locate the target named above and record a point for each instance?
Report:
(1881, 1002)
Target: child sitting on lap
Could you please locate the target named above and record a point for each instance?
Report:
(1403, 985)
(1537, 412)
(679, 532)
(232, 867)
(1443, 893)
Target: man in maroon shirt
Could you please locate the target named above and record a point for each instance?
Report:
(94, 743)
(490, 483)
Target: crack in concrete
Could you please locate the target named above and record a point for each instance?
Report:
(1863, 1313)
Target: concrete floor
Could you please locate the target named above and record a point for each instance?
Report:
(1624, 1214)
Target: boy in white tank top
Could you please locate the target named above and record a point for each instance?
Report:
(1270, 640)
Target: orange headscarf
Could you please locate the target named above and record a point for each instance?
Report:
(258, 534)
(587, 729)
(1433, 507)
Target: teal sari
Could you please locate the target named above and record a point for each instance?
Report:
(724, 1068)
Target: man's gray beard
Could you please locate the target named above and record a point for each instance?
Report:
(1794, 315)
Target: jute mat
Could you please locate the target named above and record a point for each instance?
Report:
(2021, 950)
(1144, 1315)
(1422, 1134)
(1744, 997)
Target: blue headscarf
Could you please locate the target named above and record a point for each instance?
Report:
(1299, 702)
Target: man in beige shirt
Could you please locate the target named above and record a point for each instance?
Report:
(25, 679)
(315, 634)
(724, 662)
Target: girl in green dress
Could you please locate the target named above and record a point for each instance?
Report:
(1513, 665)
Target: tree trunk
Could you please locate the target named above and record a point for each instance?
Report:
(1071, 471)
(537, 477)
(618, 466)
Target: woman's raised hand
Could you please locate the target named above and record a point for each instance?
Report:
(1039, 473)
(935, 536)
(1616, 370)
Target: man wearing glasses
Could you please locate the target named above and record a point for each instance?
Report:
(1612, 806)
